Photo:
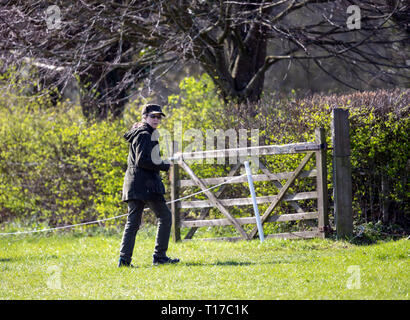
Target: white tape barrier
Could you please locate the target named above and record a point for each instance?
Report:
(255, 205)
(116, 217)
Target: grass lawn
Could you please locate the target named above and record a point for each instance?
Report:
(68, 266)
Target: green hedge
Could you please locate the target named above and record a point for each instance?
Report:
(56, 168)
(59, 169)
(379, 131)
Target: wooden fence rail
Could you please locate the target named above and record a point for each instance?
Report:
(317, 149)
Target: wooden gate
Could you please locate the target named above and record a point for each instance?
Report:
(315, 149)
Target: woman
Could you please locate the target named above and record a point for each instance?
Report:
(143, 186)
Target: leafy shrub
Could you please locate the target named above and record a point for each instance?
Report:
(379, 132)
(57, 168)
(380, 150)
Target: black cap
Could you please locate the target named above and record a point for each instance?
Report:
(152, 108)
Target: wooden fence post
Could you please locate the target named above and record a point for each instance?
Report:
(174, 182)
(321, 179)
(342, 173)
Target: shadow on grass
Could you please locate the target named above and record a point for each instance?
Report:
(233, 263)
(218, 263)
(242, 263)
(29, 258)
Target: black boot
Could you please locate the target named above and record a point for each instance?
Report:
(163, 260)
(123, 263)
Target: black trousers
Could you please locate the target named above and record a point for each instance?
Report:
(135, 209)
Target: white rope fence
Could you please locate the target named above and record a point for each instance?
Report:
(119, 216)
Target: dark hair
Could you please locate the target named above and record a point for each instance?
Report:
(155, 108)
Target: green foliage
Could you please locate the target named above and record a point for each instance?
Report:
(56, 167)
(379, 141)
(197, 106)
(380, 155)
(373, 232)
(196, 109)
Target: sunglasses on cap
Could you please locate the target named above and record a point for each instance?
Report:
(155, 116)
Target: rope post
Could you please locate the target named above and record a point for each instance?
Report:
(255, 205)
(321, 181)
(342, 174)
(176, 220)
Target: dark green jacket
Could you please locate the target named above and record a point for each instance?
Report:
(142, 180)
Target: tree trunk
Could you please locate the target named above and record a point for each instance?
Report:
(237, 64)
(246, 67)
(103, 93)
